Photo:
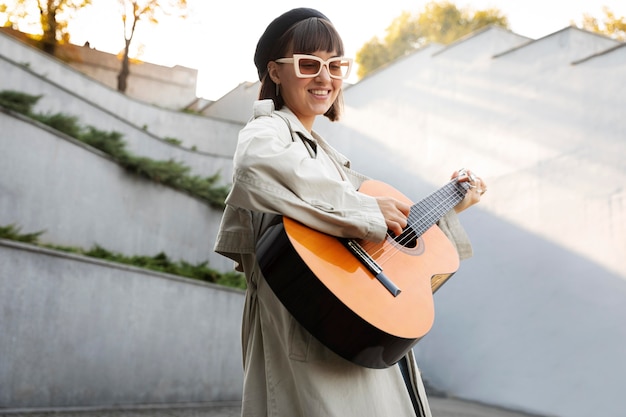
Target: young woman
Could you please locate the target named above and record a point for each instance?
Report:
(282, 167)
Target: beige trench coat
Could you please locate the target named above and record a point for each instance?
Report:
(281, 169)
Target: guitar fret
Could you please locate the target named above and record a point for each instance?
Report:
(425, 213)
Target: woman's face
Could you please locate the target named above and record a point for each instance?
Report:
(306, 97)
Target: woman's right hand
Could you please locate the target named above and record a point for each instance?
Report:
(395, 213)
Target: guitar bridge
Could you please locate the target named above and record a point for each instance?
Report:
(357, 250)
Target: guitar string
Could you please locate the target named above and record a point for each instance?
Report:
(421, 218)
(420, 221)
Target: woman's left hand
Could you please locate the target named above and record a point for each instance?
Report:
(476, 190)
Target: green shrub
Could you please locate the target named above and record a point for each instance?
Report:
(19, 102)
(12, 232)
(232, 279)
(108, 142)
(61, 122)
(159, 262)
(173, 141)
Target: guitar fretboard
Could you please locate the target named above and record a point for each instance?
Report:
(425, 213)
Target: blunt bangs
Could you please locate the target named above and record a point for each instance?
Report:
(315, 34)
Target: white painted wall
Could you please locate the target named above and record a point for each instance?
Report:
(536, 319)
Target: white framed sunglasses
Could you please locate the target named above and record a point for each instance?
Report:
(310, 66)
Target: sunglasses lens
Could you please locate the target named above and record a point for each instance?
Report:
(338, 68)
(309, 66)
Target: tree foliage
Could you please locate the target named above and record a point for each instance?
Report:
(149, 11)
(609, 25)
(54, 16)
(441, 22)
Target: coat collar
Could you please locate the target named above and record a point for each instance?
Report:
(266, 108)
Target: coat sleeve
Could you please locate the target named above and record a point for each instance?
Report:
(452, 228)
(275, 174)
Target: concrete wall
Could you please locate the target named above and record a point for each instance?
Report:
(209, 135)
(236, 105)
(80, 198)
(56, 98)
(171, 87)
(82, 332)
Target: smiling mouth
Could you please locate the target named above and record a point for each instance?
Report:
(320, 92)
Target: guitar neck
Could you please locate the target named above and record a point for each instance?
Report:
(425, 213)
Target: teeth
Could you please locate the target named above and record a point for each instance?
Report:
(319, 92)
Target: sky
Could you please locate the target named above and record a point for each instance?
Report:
(219, 38)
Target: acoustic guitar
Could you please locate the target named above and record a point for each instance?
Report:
(368, 302)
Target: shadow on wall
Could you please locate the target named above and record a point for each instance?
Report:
(523, 318)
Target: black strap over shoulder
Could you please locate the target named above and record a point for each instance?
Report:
(417, 404)
(310, 145)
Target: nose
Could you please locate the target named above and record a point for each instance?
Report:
(324, 73)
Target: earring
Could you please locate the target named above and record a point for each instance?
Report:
(277, 90)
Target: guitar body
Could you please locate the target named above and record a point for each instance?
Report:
(340, 302)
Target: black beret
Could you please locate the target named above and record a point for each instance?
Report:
(275, 30)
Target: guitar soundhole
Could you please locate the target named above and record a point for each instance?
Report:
(408, 238)
(408, 242)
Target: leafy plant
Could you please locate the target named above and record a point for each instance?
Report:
(173, 141)
(62, 123)
(108, 142)
(12, 232)
(232, 279)
(159, 262)
(19, 102)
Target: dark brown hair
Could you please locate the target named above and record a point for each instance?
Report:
(305, 37)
